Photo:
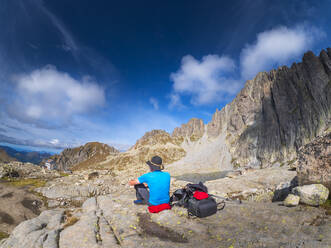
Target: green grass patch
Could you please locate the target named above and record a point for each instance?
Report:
(62, 174)
(33, 182)
(3, 235)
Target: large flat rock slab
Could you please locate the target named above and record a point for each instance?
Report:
(114, 221)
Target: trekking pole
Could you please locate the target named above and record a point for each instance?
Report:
(227, 200)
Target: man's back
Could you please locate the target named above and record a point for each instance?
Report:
(159, 185)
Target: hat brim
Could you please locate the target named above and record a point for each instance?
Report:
(154, 166)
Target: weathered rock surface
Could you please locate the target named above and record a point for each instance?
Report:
(314, 162)
(270, 119)
(74, 189)
(284, 189)
(17, 204)
(291, 200)
(256, 185)
(83, 157)
(42, 231)
(193, 130)
(114, 221)
(278, 112)
(313, 194)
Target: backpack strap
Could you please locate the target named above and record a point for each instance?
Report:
(193, 187)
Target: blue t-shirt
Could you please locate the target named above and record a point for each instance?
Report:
(159, 185)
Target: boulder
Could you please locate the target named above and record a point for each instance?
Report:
(291, 200)
(314, 194)
(42, 231)
(283, 189)
(93, 175)
(314, 162)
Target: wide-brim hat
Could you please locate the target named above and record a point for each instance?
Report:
(155, 163)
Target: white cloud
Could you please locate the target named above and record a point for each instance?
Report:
(205, 80)
(48, 95)
(54, 141)
(276, 47)
(154, 102)
(212, 79)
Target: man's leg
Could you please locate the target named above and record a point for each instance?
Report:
(142, 193)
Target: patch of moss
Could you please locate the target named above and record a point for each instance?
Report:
(233, 160)
(62, 174)
(327, 206)
(33, 182)
(3, 235)
(234, 163)
(70, 221)
(291, 161)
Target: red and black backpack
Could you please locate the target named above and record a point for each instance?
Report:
(196, 199)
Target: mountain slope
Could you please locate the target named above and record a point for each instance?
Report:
(155, 142)
(269, 120)
(83, 157)
(4, 157)
(25, 156)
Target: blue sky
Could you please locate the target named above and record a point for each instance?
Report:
(108, 71)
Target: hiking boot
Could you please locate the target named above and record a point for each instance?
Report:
(138, 202)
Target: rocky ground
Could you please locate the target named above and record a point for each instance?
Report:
(17, 204)
(95, 209)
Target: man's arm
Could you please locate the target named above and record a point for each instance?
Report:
(134, 182)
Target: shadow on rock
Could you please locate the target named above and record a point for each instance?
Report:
(6, 218)
(153, 229)
(8, 195)
(32, 205)
(284, 189)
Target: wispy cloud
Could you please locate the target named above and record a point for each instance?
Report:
(213, 79)
(154, 102)
(32, 142)
(69, 42)
(175, 101)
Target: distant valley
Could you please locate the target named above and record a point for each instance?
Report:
(8, 154)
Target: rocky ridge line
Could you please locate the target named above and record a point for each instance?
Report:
(83, 157)
(271, 118)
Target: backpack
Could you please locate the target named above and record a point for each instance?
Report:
(196, 199)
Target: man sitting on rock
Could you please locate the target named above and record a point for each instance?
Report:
(153, 187)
